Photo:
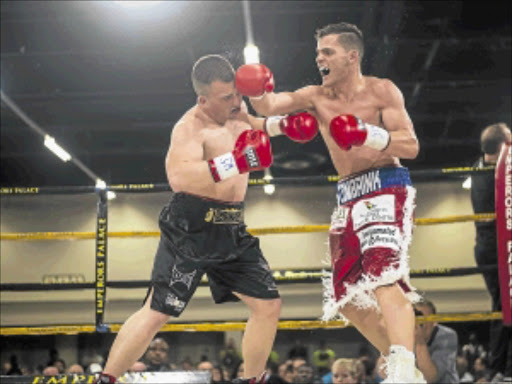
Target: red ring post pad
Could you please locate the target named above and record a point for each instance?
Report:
(503, 195)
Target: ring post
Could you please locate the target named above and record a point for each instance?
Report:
(101, 259)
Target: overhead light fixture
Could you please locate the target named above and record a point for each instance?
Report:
(268, 188)
(467, 183)
(251, 54)
(52, 145)
(130, 3)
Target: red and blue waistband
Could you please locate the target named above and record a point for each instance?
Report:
(356, 186)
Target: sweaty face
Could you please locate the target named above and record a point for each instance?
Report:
(332, 60)
(222, 101)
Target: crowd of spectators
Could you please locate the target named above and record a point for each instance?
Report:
(442, 359)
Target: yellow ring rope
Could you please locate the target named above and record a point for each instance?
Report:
(254, 231)
(236, 326)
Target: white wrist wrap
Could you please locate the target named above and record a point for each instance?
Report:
(226, 166)
(377, 138)
(272, 125)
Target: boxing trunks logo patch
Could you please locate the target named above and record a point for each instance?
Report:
(358, 186)
(252, 158)
(386, 236)
(339, 217)
(179, 277)
(224, 216)
(174, 302)
(379, 209)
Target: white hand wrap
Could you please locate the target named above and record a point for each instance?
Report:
(272, 125)
(378, 138)
(226, 166)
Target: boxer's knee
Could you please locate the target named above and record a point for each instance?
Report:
(266, 308)
(392, 297)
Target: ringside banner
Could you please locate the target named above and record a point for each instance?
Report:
(503, 195)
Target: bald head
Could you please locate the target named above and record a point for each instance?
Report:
(493, 136)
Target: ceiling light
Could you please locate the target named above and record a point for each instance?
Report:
(52, 145)
(129, 3)
(251, 54)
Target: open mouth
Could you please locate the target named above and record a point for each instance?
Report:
(324, 71)
(235, 110)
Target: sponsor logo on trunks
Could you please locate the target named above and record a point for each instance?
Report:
(174, 302)
(251, 157)
(379, 209)
(358, 186)
(339, 217)
(180, 277)
(385, 236)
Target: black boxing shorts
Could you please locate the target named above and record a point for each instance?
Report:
(204, 236)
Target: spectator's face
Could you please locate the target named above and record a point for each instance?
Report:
(462, 365)
(341, 375)
(157, 352)
(186, 366)
(304, 374)
(217, 374)
(282, 370)
(6, 367)
(75, 368)
(478, 366)
(428, 328)
(50, 371)
(205, 366)
(60, 366)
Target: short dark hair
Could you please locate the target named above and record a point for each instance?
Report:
(208, 69)
(493, 136)
(427, 303)
(350, 37)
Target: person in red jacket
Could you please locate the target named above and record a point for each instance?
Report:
(213, 148)
(367, 131)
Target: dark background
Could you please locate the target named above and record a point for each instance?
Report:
(109, 82)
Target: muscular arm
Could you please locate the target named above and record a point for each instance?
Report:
(184, 163)
(404, 143)
(284, 102)
(254, 122)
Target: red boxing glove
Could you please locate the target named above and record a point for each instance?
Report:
(348, 131)
(301, 127)
(252, 153)
(254, 80)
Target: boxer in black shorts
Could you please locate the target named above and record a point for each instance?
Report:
(213, 148)
(199, 236)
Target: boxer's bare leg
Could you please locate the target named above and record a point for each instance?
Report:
(398, 315)
(259, 334)
(133, 338)
(370, 324)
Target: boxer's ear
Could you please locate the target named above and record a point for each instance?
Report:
(353, 56)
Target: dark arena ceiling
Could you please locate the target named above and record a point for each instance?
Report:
(109, 81)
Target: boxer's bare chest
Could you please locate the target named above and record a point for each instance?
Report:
(366, 106)
(219, 140)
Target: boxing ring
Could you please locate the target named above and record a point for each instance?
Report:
(101, 285)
